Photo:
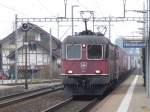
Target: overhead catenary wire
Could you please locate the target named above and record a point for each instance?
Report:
(99, 8)
(44, 7)
(12, 9)
(100, 13)
(65, 32)
(82, 5)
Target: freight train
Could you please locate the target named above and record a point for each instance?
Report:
(91, 63)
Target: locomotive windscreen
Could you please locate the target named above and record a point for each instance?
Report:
(73, 51)
(95, 51)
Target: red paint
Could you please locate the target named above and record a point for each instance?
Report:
(91, 66)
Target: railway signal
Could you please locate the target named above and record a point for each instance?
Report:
(25, 27)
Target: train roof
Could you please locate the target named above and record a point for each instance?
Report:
(86, 39)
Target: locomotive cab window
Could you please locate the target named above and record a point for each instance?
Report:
(94, 51)
(73, 51)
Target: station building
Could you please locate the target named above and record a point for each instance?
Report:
(38, 52)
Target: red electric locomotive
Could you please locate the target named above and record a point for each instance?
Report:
(91, 63)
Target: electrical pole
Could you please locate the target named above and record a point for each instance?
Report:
(148, 50)
(16, 51)
(124, 8)
(26, 66)
(25, 28)
(93, 21)
(143, 50)
(109, 28)
(65, 3)
(72, 7)
(50, 53)
(57, 28)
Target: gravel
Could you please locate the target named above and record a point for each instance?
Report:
(36, 104)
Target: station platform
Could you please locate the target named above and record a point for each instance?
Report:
(130, 96)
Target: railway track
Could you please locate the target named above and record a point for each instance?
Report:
(78, 104)
(19, 97)
(71, 105)
(42, 102)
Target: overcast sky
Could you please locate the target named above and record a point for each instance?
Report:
(55, 8)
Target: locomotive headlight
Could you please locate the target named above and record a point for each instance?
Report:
(98, 71)
(83, 45)
(70, 71)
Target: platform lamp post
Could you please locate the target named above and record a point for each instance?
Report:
(25, 28)
(50, 54)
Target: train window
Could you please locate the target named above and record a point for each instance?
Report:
(73, 51)
(94, 51)
(107, 51)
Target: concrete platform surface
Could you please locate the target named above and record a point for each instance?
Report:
(130, 96)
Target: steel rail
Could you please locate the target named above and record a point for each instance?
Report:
(89, 105)
(58, 106)
(28, 92)
(64, 103)
(8, 100)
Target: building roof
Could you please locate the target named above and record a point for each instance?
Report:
(34, 28)
(44, 43)
(86, 39)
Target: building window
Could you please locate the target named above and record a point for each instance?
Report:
(32, 46)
